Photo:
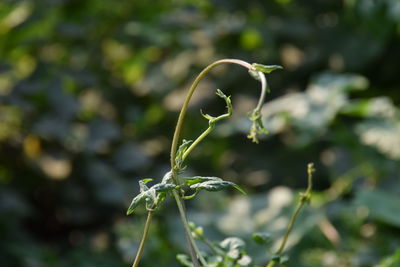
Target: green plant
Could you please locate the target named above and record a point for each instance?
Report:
(229, 252)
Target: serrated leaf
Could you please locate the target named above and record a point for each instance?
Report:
(215, 185)
(163, 187)
(266, 68)
(198, 179)
(135, 202)
(262, 238)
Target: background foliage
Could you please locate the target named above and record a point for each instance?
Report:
(89, 96)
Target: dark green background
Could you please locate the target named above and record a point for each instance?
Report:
(90, 93)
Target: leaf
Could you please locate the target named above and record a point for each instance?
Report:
(233, 246)
(143, 186)
(245, 260)
(163, 187)
(198, 179)
(145, 181)
(393, 260)
(181, 151)
(167, 177)
(262, 238)
(216, 185)
(135, 202)
(266, 68)
(382, 205)
(257, 126)
(184, 260)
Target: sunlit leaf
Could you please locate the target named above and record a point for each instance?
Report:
(233, 246)
(163, 187)
(199, 179)
(135, 202)
(216, 185)
(184, 260)
(266, 68)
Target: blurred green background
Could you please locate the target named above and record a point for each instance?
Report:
(89, 96)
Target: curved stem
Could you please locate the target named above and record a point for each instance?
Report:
(176, 137)
(143, 241)
(185, 105)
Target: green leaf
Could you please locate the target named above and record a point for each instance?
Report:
(262, 238)
(199, 179)
(216, 185)
(179, 154)
(167, 178)
(146, 180)
(266, 68)
(233, 246)
(184, 260)
(143, 186)
(382, 205)
(257, 126)
(135, 202)
(393, 260)
(163, 187)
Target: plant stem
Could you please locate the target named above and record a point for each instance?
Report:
(144, 237)
(304, 198)
(182, 212)
(175, 141)
(185, 105)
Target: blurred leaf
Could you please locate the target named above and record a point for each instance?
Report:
(233, 247)
(382, 205)
(184, 260)
(262, 238)
(391, 261)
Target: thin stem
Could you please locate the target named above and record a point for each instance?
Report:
(176, 137)
(185, 105)
(182, 212)
(174, 147)
(197, 141)
(144, 237)
(304, 199)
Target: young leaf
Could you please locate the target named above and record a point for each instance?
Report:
(135, 202)
(199, 179)
(181, 151)
(262, 238)
(184, 260)
(163, 187)
(257, 126)
(266, 68)
(167, 177)
(216, 185)
(233, 246)
(142, 185)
